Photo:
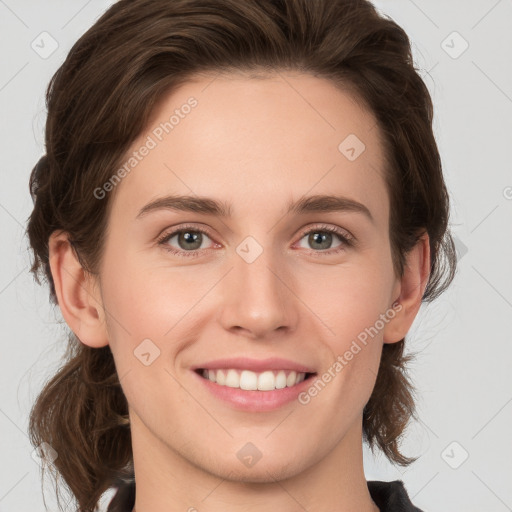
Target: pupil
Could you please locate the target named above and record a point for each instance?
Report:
(191, 239)
(324, 237)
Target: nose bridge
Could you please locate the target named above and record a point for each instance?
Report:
(258, 300)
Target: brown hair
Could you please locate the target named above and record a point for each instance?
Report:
(101, 99)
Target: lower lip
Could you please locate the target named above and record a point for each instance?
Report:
(255, 401)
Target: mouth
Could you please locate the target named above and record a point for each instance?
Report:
(267, 380)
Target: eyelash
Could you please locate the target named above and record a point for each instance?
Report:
(346, 239)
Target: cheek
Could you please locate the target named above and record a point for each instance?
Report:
(352, 305)
(147, 299)
(156, 311)
(147, 313)
(349, 300)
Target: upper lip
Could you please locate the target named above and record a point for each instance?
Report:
(255, 365)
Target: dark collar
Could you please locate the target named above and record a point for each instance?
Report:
(391, 496)
(388, 496)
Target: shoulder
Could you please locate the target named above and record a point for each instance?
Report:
(391, 496)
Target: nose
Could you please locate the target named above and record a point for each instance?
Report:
(259, 298)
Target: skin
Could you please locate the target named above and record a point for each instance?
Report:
(256, 144)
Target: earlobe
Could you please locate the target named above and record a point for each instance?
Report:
(77, 293)
(411, 288)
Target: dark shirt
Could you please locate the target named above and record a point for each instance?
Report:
(388, 496)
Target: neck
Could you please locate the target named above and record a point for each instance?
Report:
(165, 480)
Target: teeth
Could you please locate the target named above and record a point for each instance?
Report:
(252, 381)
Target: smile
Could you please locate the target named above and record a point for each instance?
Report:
(268, 380)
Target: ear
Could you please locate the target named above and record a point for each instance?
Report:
(78, 293)
(409, 291)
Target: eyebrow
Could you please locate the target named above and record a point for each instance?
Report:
(209, 206)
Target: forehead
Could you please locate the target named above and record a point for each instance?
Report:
(254, 141)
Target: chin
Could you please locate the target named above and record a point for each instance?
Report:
(263, 472)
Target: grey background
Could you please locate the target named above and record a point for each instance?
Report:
(462, 373)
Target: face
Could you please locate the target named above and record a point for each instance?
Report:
(272, 289)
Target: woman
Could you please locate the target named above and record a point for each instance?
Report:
(240, 211)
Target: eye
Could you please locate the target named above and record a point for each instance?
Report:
(321, 238)
(189, 240)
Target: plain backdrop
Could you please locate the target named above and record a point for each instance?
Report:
(463, 370)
